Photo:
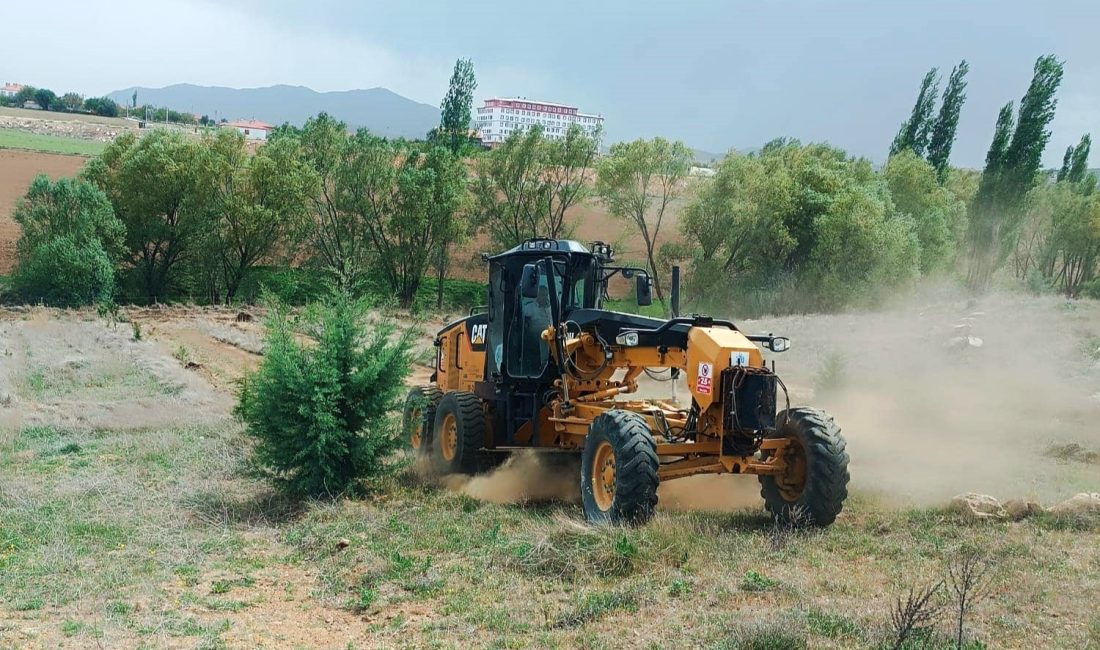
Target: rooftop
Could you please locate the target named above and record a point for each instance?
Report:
(250, 124)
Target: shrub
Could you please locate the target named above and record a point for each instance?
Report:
(66, 273)
(321, 412)
(1091, 289)
(69, 243)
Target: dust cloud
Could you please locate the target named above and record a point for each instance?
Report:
(940, 394)
(937, 394)
(526, 477)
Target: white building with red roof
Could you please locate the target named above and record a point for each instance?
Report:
(10, 89)
(500, 116)
(251, 129)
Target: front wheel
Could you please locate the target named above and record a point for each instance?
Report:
(619, 470)
(812, 489)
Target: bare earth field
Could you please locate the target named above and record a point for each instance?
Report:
(127, 517)
(17, 169)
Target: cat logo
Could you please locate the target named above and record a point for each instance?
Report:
(477, 334)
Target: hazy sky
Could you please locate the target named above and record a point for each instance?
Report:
(716, 74)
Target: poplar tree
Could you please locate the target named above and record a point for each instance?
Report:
(454, 121)
(915, 131)
(943, 132)
(1011, 171)
(1079, 161)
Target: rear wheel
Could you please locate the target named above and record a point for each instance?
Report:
(419, 416)
(814, 486)
(458, 433)
(619, 470)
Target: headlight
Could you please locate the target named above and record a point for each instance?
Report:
(629, 339)
(780, 344)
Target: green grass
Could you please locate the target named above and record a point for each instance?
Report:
(13, 139)
(100, 539)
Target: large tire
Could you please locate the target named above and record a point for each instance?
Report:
(619, 470)
(418, 417)
(813, 490)
(458, 433)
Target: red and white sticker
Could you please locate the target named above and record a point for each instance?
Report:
(705, 379)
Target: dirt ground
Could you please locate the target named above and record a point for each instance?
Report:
(17, 169)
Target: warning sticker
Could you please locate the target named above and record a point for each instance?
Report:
(705, 379)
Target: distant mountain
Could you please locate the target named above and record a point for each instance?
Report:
(707, 157)
(382, 111)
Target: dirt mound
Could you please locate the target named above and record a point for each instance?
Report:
(86, 374)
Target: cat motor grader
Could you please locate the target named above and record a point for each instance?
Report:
(543, 365)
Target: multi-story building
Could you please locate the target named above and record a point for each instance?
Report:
(10, 89)
(501, 116)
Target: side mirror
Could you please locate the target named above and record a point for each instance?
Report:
(779, 344)
(645, 295)
(529, 281)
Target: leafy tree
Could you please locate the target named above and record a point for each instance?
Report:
(734, 229)
(454, 123)
(45, 98)
(103, 106)
(66, 272)
(936, 213)
(914, 132)
(943, 132)
(69, 244)
(1011, 171)
(321, 413)
(526, 187)
(337, 236)
(796, 227)
(638, 181)
(68, 206)
(71, 102)
(406, 198)
(1062, 240)
(566, 175)
(152, 183)
(1075, 164)
(508, 189)
(25, 94)
(257, 206)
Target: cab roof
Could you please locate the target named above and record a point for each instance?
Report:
(545, 246)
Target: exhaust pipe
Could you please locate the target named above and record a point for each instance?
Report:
(674, 294)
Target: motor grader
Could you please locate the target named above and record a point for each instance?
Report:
(545, 366)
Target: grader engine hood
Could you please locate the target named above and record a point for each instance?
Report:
(724, 366)
(711, 350)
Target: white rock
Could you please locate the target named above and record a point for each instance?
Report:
(977, 506)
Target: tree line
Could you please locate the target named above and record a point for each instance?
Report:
(69, 102)
(792, 227)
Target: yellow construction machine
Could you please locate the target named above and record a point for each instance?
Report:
(543, 365)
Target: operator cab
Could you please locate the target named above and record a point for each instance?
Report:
(539, 283)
